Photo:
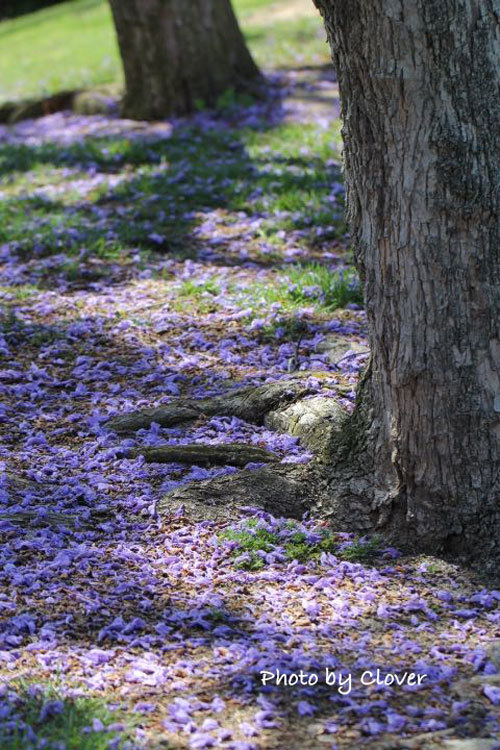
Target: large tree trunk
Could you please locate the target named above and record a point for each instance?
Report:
(419, 457)
(179, 53)
(419, 84)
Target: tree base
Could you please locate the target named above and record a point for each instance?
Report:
(349, 482)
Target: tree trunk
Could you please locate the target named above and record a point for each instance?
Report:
(179, 54)
(419, 85)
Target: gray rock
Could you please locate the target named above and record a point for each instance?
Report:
(314, 420)
(471, 744)
(94, 103)
(336, 347)
(493, 652)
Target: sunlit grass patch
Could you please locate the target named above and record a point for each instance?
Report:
(44, 716)
(19, 293)
(73, 45)
(302, 142)
(255, 543)
(298, 180)
(307, 285)
(287, 42)
(331, 289)
(161, 189)
(192, 288)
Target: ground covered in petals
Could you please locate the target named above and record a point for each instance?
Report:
(139, 263)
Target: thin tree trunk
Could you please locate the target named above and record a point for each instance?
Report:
(419, 84)
(179, 54)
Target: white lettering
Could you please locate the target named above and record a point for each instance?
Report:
(266, 676)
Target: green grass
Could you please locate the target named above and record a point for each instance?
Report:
(311, 284)
(73, 723)
(73, 45)
(288, 44)
(191, 288)
(330, 288)
(20, 293)
(284, 175)
(68, 46)
(253, 539)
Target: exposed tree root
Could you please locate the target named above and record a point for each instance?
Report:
(281, 490)
(284, 406)
(250, 404)
(337, 485)
(287, 490)
(234, 454)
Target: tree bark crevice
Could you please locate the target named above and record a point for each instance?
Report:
(422, 154)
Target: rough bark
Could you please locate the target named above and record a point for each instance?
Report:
(178, 54)
(233, 454)
(419, 458)
(422, 139)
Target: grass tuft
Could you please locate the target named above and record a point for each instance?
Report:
(329, 288)
(43, 716)
(253, 540)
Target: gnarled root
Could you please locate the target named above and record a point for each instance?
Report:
(234, 454)
(284, 406)
(282, 490)
(250, 404)
(337, 487)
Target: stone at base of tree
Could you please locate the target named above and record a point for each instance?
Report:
(335, 347)
(234, 454)
(471, 744)
(94, 103)
(314, 420)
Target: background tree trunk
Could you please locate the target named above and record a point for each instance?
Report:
(178, 53)
(419, 85)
